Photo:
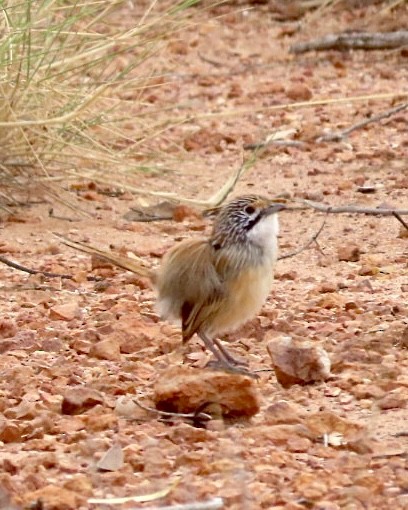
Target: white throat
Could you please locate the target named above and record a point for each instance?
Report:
(265, 234)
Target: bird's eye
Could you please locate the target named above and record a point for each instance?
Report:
(249, 209)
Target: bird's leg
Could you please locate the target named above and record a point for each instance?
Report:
(223, 356)
(227, 355)
(209, 343)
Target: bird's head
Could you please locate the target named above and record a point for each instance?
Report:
(247, 219)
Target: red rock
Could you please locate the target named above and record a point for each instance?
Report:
(55, 497)
(25, 409)
(93, 196)
(332, 300)
(178, 47)
(348, 253)
(98, 262)
(326, 287)
(403, 232)
(9, 432)
(299, 92)
(66, 312)
(298, 444)
(81, 345)
(281, 434)
(393, 400)
(11, 344)
(327, 422)
(79, 483)
(368, 270)
(235, 91)
(288, 275)
(52, 345)
(362, 391)
(79, 399)
(298, 362)
(181, 212)
(96, 422)
(282, 412)
(136, 335)
(139, 281)
(184, 390)
(7, 328)
(403, 341)
(108, 348)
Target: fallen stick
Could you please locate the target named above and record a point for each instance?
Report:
(401, 220)
(192, 416)
(341, 135)
(354, 209)
(306, 246)
(137, 265)
(354, 41)
(331, 136)
(47, 274)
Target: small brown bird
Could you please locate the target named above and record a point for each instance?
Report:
(215, 284)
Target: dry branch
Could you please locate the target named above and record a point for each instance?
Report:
(354, 209)
(47, 274)
(277, 143)
(306, 246)
(192, 416)
(331, 136)
(336, 137)
(354, 40)
(138, 266)
(401, 220)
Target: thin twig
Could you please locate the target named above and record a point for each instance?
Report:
(278, 143)
(212, 504)
(190, 416)
(403, 433)
(47, 274)
(329, 137)
(354, 40)
(211, 61)
(354, 209)
(341, 135)
(401, 220)
(309, 243)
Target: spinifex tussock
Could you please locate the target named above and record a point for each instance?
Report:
(72, 78)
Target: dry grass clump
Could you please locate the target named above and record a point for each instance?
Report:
(72, 75)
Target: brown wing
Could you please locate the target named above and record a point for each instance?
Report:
(189, 285)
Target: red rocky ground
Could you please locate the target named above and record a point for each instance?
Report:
(73, 354)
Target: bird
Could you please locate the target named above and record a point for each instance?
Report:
(215, 284)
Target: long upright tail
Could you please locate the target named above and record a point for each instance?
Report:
(136, 266)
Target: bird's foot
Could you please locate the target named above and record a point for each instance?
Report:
(231, 368)
(230, 359)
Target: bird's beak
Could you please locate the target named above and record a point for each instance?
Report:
(274, 207)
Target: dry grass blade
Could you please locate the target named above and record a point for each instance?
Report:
(136, 499)
(68, 71)
(213, 201)
(136, 265)
(212, 504)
